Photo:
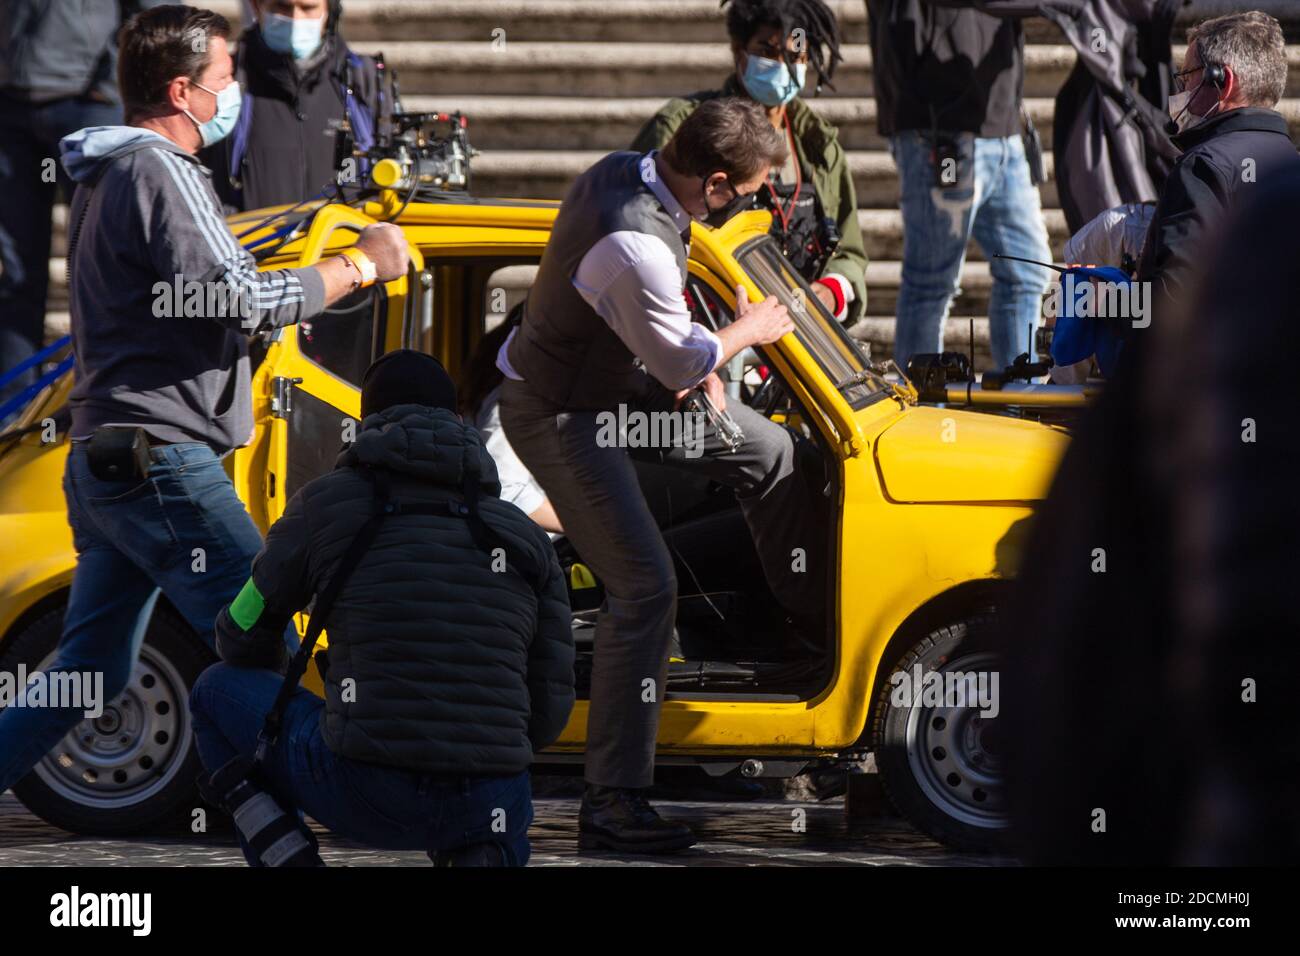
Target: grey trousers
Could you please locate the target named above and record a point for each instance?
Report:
(593, 487)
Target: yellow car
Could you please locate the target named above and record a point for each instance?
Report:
(929, 509)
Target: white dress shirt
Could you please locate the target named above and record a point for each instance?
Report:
(631, 280)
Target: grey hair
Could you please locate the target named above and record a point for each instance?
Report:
(1252, 46)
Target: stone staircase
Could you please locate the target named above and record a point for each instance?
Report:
(551, 85)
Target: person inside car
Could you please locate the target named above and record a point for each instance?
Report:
(480, 399)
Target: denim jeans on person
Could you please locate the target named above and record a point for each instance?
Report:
(29, 173)
(383, 807)
(994, 201)
(182, 529)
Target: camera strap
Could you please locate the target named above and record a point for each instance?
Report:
(484, 537)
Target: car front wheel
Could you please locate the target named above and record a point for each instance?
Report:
(936, 736)
(133, 768)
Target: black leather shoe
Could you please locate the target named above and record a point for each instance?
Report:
(618, 818)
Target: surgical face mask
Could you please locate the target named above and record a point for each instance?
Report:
(1180, 110)
(769, 82)
(223, 120)
(299, 36)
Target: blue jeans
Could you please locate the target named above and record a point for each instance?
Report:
(29, 138)
(992, 200)
(132, 538)
(380, 806)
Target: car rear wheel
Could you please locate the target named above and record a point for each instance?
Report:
(939, 752)
(133, 768)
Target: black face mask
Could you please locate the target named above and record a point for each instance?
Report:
(716, 217)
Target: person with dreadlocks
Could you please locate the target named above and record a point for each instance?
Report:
(812, 200)
(300, 81)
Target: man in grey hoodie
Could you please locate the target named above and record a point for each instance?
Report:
(160, 398)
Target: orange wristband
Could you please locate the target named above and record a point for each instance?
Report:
(364, 265)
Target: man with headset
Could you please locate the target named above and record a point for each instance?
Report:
(1234, 73)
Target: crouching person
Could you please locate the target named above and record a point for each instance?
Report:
(450, 659)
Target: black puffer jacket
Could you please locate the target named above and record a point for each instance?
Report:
(437, 662)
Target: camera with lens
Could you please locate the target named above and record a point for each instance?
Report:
(412, 153)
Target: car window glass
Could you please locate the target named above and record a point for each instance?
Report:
(839, 356)
(341, 339)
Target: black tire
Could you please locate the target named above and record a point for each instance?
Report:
(941, 765)
(134, 769)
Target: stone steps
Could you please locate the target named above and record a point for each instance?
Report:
(499, 122)
(665, 21)
(601, 69)
(546, 174)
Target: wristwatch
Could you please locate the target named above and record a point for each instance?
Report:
(364, 266)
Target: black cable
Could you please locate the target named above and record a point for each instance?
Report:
(410, 194)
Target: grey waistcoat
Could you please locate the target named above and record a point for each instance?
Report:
(564, 350)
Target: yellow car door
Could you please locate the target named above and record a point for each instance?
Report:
(307, 391)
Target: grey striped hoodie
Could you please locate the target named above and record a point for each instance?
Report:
(163, 298)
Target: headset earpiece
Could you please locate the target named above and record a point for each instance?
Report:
(1215, 74)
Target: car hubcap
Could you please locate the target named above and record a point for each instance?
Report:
(955, 754)
(133, 749)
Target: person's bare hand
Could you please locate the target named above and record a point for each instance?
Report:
(385, 245)
(713, 388)
(823, 292)
(764, 322)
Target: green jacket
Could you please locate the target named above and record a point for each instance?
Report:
(817, 143)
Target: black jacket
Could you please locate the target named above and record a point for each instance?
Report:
(1225, 159)
(945, 64)
(442, 659)
(296, 107)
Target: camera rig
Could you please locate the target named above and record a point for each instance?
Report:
(413, 153)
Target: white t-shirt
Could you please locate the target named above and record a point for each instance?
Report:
(518, 486)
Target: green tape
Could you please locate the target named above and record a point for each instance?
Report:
(248, 606)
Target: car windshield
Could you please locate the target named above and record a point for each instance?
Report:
(840, 357)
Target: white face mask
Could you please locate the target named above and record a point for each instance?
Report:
(1180, 111)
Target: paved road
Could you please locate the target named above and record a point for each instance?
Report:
(731, 834)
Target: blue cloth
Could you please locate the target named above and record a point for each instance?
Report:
(992, 200)
(132, 538)
(1077, 337)
(380, 806)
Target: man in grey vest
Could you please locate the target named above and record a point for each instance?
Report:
(606, 325)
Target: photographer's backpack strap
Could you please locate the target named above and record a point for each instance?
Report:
(361, 115)
(320, 611)
(239, 139)
(484, 536)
